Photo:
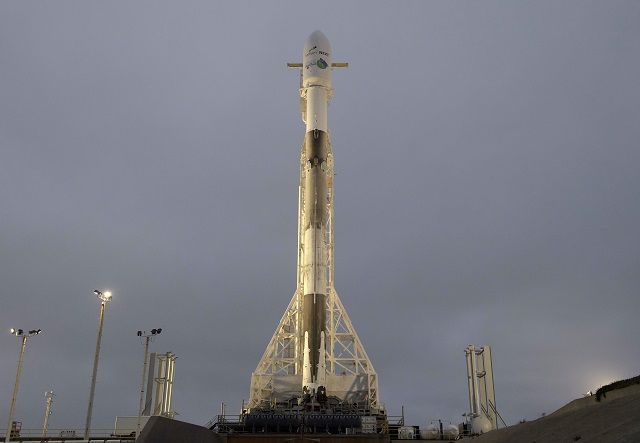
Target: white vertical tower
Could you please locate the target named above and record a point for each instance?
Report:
(161, 374)
(482, 398)
(315, 345)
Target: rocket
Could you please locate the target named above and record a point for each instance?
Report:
(315, 351)
(315, 92)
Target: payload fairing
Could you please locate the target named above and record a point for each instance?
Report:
(315, 356)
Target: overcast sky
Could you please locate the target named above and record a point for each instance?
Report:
(487, 192)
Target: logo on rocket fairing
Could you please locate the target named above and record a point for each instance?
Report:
(322, 64)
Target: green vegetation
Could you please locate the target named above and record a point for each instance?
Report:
(616, 385)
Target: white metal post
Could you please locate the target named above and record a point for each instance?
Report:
(476, 396)
(144, 370)
(470, 379)
(105, 297)
(15, 390)
(49, 396)
(490, 389)
(160, 385)
(169, 391)
(482, 380)
(148, 337)
(18, 333)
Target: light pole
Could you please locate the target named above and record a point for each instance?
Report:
(49, 396)
(18, 333)
(151, 335)
(105, 297)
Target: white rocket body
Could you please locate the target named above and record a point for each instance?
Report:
(316, 89)
(315, 350)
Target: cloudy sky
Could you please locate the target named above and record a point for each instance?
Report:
(487, 192)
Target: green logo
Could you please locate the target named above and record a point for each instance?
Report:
(322, 64)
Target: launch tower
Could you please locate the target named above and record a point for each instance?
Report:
(315, 360)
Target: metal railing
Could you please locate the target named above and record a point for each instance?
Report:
(67, 434)
(235, 424)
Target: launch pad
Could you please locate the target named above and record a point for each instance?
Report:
(315, 375)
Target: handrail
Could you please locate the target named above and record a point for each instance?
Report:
(234, 423)
(69, 434)
(493, 408)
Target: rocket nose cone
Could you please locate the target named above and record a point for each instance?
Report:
(316, 60)
(317, 39)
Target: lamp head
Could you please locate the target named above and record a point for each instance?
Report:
(20, 332)
(104, 296)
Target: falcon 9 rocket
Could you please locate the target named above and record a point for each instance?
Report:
(315, 355)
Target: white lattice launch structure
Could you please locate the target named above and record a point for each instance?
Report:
(315, 354)
(349, 372)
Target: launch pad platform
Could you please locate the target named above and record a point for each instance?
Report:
(164, 430)
(293, 438)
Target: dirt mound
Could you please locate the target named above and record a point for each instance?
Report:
(615, 418)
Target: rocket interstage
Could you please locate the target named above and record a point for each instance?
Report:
(315, 353)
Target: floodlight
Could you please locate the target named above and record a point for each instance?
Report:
(104, 296)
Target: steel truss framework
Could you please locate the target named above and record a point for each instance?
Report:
(350, 374)
(482, 397)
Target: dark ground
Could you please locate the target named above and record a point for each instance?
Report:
(613, 419)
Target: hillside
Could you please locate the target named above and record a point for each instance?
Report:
(616, 418)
